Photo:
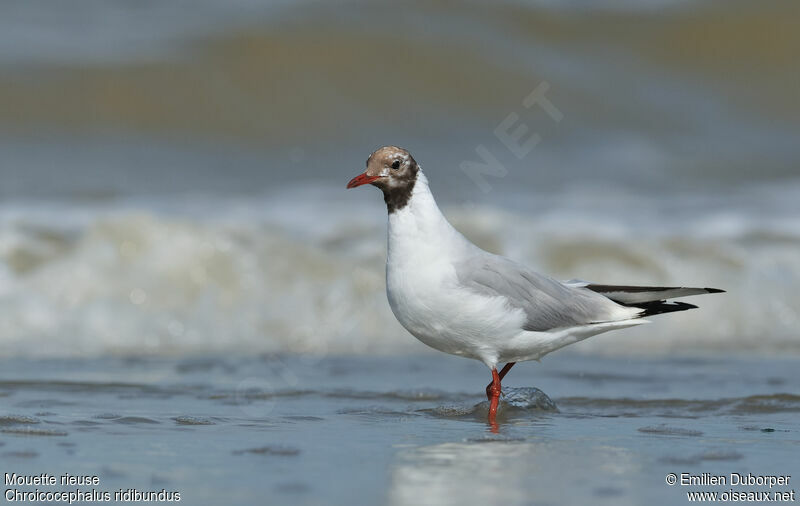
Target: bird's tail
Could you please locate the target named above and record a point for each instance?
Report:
(652, 300)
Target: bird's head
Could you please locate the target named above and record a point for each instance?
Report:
(387, 168)
(394, 171)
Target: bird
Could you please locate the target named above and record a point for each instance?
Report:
(460, 299)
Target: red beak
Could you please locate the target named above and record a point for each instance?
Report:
(361, 179)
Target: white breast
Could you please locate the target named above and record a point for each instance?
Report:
(423, 290)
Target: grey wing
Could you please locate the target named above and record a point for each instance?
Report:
(547, 303)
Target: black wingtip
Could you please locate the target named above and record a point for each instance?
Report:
(661, 307)
(714, 290)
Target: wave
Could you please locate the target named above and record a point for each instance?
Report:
(302, 271)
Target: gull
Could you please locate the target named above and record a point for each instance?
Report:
(459, 299)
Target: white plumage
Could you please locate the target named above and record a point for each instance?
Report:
(428, 285)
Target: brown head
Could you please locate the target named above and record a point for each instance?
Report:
(394, 171)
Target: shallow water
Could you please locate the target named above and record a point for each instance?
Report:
(399, 430)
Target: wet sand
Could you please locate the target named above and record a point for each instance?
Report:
(399, 430)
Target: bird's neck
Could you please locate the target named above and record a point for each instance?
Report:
(420, 225)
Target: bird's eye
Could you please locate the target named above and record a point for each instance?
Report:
(396, 164)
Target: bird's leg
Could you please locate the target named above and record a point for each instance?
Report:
(494, 389)
(502, 375)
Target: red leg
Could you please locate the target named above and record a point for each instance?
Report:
(494, 400)
(502, 375)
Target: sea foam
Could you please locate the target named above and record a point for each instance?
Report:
(303, 271)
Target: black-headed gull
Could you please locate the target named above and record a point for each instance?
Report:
(459, 299)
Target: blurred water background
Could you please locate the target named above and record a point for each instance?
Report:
(173, 172)
(191, 301)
